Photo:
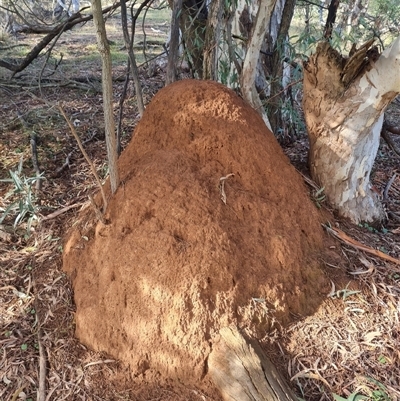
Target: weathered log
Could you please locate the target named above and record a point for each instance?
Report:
(242, 372)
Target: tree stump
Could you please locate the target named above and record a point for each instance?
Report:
(242, 372)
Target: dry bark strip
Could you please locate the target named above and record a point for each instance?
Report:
(242, 372)
(339, 234)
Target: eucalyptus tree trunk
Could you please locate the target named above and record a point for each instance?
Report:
(344, 101)
(173, 43)
(75, 6)
(248, 75)
(193, 20)
(212, 40)
(109, 121)
(237, 32)
(132, 60)
(277, 69)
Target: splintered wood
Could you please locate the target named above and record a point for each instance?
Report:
(241, 370)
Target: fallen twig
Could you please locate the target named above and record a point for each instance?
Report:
(309, 181)
(42, 368)
(64, 166)
(393, 215)
(391, 129)
(59, 212)
(16, 394)
(97, 211)
(86, 157)
(14, 46)
(35, 162)
(388, 185)
(41, 394)
(342, 236)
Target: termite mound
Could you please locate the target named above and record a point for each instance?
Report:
(185, 253)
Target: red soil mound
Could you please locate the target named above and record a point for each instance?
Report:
(175, 263)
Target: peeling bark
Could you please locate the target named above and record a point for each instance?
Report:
(344, 101)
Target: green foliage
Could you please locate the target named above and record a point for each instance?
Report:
(380, 393)
(376, 18)
(387, 12)
(23, 203)
(305, 42)
(368, 227)
(227, 75)
(224, 71)
(319, 197)
(351, 397)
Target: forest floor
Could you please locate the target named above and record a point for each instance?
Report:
(351, 345)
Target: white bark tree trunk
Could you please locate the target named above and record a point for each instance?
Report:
(343, 109)
(75, 6)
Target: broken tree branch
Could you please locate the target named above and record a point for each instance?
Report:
(54, 32)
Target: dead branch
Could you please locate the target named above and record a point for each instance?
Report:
(42, 367)
(35, 162)
(385, 135)
(359, 60)
(86, 156)
(330, 21)
(391, 129)
(47, 59)
(342, 236)
(59, 212)
(51, 83)
(68, 158)
(63, 167)
(54, 32)
(388, 185)
(132, 61)
(13, 46)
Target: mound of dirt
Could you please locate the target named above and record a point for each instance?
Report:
(211, 226)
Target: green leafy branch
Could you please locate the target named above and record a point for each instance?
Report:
(23, 206)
